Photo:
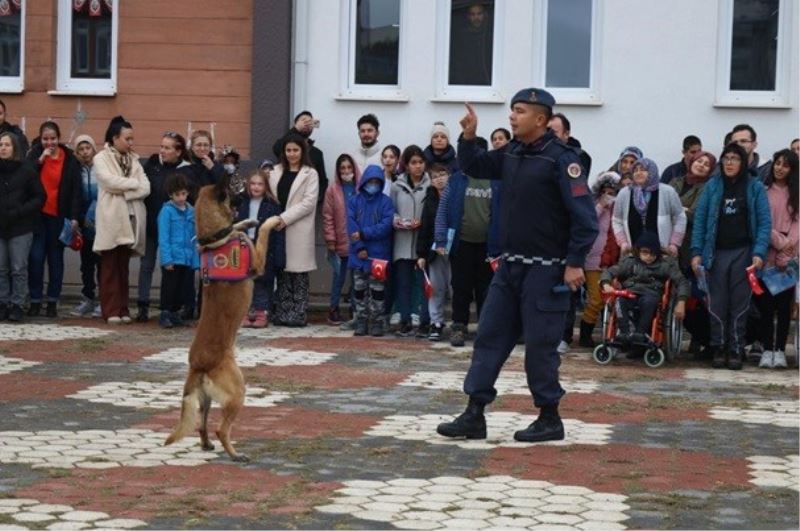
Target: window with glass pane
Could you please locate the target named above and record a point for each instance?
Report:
(91, 39)
(10, 23)
(471, 42)
(569, 43)
(377, 42)
(754, 45)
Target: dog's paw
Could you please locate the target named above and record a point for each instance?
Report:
(208, 447)
(240, 458)
(245, 224)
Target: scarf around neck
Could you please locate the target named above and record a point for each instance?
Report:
(125, 160)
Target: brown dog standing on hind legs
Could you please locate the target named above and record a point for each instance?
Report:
(213, 372)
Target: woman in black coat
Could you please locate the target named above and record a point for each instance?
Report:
(60, 175)
(21, 200)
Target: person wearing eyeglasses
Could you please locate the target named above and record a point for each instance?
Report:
(172, 157)
(732, 227)
(745, 136)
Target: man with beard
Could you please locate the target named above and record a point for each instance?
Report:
(304, 125)
(471, 48)
(370, 150)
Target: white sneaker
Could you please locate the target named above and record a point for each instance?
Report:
(126, 319)
(395, 319)
(562, 347)
(766, 360)
(414, 320)
(114, 320)
(779, 360)
(97, 311)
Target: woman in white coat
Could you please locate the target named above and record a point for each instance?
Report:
(295, 183)
(121, 217)
(648, 206)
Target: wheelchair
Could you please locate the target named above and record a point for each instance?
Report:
(661, 345)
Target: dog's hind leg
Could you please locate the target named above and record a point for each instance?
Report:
(205, 407)
(228, 389)
(189, 407)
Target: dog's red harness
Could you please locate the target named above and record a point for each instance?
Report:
(230, 262)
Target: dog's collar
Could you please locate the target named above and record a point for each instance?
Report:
(219, 235)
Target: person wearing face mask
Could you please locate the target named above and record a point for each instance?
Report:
(60, 173)
(334, 226)
(645, 273)
(304, 125)
(370, 215)
(172, 157)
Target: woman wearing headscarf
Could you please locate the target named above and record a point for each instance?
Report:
(646, 205)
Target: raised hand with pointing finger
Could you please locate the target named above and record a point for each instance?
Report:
(469, 123)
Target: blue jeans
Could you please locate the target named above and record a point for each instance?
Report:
(14, 254)
(337, 284)
(46, 247)
(405, 275)
(264, 290)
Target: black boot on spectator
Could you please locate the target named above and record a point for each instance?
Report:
(35, 309)
(143, 315)
(548, 427)
(377, 328)
(585, 339)
(52, 309)
(360, 328)
(15, 314)
(457, 335)
(4, 311)
(735, 358)
(470, 424)
(717, 357)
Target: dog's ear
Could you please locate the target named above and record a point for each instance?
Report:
(223, 187)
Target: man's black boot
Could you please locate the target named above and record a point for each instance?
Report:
(717, 356)
(470, 424)
(548, 427)
(735, 359)
(585, 339)
(361, 327)
(143, 315)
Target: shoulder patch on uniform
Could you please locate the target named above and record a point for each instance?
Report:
(574, 170)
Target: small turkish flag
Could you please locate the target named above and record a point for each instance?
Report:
(379, 268)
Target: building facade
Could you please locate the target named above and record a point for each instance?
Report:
(641, 72)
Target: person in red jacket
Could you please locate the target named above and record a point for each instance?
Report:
(334, 224)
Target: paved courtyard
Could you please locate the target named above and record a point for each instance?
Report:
(341, 435)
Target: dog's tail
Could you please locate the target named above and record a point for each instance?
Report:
(262, 243)
(190, 408)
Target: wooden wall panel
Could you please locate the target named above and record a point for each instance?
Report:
(180, 61)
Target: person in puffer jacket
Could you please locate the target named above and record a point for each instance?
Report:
(179, 256)
(370, 215)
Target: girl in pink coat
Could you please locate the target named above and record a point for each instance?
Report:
(334, 224)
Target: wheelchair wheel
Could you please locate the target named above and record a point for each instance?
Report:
(673, 334)
(603, 354)
(654, 357)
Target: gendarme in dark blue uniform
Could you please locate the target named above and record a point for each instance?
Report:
(547, 221)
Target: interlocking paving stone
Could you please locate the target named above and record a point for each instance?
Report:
(778, 412)
(501, 426)
(252, 357)
(750, 376)
(48, 332)
(163, 395)
(9, 364)
(99, 449)
(510, 510)
(30, 512)
(769, 471)
(509, 382)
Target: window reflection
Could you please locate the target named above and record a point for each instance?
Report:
(377, 42)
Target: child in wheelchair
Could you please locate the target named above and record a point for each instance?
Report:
(644, 273)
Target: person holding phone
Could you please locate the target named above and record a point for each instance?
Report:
(304, 125)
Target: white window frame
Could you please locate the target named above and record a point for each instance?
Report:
(778, 98)
(16, 84)
(65, 83)
(348, 88)
(590, 95)
(474, 93)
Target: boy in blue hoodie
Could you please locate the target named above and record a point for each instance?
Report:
(179, 256)
(370, 214)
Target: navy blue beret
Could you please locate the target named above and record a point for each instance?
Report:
(534, 95)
